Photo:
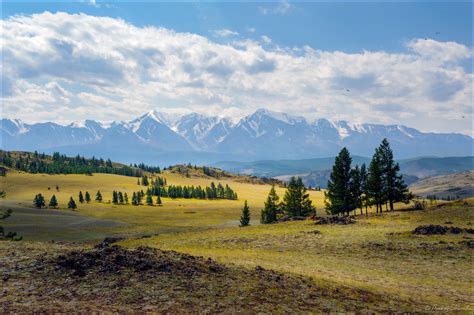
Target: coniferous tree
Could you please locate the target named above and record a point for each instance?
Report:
(339, 198)
(71, 204)
(120, 197)
(145, 180)
(53, 202)
(395, 188)
(158, 201)
(87, 197)
(149, 199)
(38, 201)
(98, 196)
(81, 197)
(135, 201)
(114, 197)
(125, 197)
(296, 201)
(375, 182)
(365, 200)
(356, 188)
(269, 212)
(245, 218)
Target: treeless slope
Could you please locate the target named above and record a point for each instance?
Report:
(46, 278)
(459, 184)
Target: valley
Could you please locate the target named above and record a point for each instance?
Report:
(374, 264)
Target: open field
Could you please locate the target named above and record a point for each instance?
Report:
(174, 216)
(375, 264)
(378, 254)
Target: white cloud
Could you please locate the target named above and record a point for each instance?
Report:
(69, 67)
(224, 33)
(281, 8)
(266, 39)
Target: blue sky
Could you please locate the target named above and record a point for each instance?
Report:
(347, 26)
(404, 63)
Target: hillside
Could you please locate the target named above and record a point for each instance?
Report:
(458, 185)
(371, 265)
(315, 172)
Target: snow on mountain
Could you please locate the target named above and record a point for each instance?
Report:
(263, 134)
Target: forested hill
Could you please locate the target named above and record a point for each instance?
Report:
(61, 164)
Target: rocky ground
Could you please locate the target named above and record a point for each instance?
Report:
(51, 277)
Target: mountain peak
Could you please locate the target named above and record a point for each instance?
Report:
(286, 118)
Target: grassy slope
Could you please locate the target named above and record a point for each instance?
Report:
(174, 216)
(460, 184)
(377, 254)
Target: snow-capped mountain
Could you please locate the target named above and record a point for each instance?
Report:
(195, 137)
(203, 132)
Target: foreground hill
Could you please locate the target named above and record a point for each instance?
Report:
(458, 185)
(152, 137)
(373, 265)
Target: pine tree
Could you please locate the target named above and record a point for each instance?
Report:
(296, 201)
(53, 202)
(88, 197)
(120, 197)
(339, 198)
(135, 201)
(365, 195)
(125, 197)
(81, 197)
(145, 180)
(149, 199)
(269, 212)
(71, 204)
(395, 188)
(38, 201)
(245, 218)
(355, 186)
(98, 196)
(114, 197)
(375, 182)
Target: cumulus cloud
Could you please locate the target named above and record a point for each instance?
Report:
(62, 66)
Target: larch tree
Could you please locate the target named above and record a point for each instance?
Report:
(71, 204)
(339, 197)
(271, 208)
(53, 202)
(296, 200)
(245, 217)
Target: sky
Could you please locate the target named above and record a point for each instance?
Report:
(406, 63)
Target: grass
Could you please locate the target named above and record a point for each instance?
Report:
(377, 254)
(174, 216)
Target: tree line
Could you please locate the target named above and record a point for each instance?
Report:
(194, 192)
(61, 164)
(350, 188)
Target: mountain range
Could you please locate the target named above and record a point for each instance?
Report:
(160, 139)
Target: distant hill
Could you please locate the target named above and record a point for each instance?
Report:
(315, 172)
(453, 185)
